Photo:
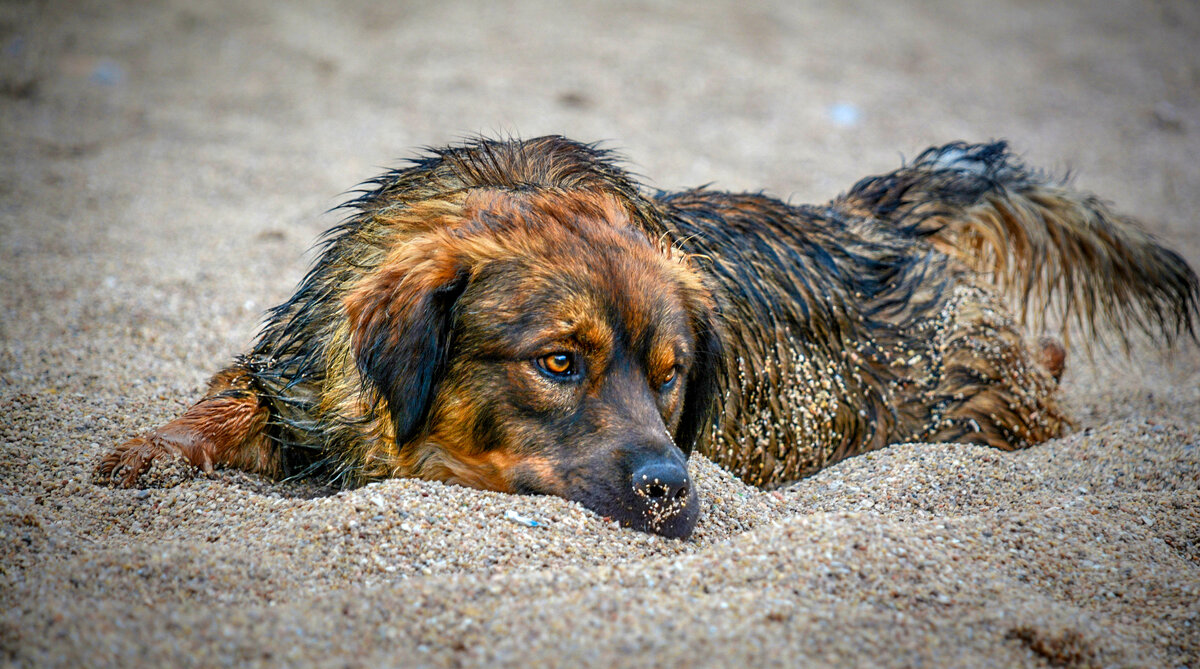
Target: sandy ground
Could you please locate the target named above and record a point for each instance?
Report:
(167, 164)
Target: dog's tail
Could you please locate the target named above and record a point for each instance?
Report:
(1056, 251)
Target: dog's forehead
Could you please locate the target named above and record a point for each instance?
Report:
(581, 237)
(573, 261)
(564, 216)
(528, 327)
(602, 291)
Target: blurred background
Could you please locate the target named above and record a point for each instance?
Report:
(797, 97)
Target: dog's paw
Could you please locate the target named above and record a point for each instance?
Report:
(126, 464)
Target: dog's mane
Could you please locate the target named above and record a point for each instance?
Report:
(552, 162)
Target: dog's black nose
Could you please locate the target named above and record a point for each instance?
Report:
(661, 482)
(660, 497)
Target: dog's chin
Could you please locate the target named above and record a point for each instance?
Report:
(675, 519)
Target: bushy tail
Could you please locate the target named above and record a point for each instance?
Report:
(1056, 251)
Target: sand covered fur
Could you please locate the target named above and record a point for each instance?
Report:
(168, 165)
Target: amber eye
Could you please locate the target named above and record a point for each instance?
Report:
(558, 364)
(669, 380)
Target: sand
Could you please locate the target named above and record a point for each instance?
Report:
(166, 165)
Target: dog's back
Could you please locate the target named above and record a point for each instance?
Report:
(882, 317)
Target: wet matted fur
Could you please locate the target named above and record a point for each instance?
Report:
(521, 316)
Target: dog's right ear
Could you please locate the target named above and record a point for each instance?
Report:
(401, 318)
(703, 390)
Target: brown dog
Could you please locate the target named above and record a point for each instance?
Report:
(519, 316)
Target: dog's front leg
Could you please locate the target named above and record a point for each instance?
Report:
(225, 428)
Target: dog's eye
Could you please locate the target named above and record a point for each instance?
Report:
(669, 380)
(558, 364)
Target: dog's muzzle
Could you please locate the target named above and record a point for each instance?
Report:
(662, 496)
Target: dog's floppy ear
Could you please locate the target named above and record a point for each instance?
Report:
(701, 392)
(400, 329)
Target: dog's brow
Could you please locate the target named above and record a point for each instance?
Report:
(588, 335)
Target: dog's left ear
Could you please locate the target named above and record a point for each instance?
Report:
(701, 392)
(401, 319)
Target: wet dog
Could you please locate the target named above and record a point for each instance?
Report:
(521, 316)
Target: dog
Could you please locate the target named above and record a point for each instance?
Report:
(521, 316)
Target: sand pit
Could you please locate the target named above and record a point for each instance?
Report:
(167, 165)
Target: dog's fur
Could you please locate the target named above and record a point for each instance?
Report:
(519, 316)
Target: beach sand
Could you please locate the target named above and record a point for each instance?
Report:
(168, 165)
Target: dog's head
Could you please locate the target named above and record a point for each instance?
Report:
(539, 342)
